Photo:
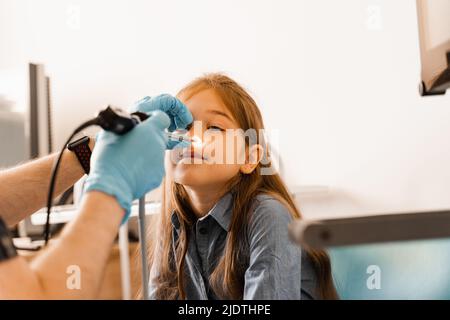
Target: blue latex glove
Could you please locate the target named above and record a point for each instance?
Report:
(179, 114)
(130, 165)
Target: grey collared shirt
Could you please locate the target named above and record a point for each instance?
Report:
(277, 269)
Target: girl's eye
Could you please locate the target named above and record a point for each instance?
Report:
(215, 128)
(189, 126)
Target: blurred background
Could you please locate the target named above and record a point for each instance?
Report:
(338, 79)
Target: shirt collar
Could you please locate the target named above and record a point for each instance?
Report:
(220, 212)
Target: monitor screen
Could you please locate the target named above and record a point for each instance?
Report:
(417, 269)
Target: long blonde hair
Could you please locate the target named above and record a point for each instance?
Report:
(227, 278)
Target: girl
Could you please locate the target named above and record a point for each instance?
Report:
(222, 233)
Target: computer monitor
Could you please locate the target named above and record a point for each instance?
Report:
(394, 255)
(387, 256)
(407, 270)
(40, 112)
(434, 39)
(40, 129)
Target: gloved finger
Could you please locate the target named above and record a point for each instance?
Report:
(157, 119)
(176, 110)
(180, 116)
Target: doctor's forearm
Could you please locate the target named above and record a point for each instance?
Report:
(23, 189)
(72, 267)
(81, 252)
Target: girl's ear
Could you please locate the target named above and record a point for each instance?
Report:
(255, 154)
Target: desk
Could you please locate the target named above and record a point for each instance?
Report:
(66, 213)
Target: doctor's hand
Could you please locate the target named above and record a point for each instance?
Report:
(128, 166)
(179, 114)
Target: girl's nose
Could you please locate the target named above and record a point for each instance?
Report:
(195, 132)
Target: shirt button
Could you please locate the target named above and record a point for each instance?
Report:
(203, 230)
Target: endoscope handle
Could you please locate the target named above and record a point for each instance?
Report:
(118, 121)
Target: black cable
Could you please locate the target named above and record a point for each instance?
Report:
(110, 119)
(55, 172)
(65, 197)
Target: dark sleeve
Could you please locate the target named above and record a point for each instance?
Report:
(274, 270)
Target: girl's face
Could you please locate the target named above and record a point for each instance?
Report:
(213, 159)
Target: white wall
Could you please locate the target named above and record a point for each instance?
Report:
(338, 78)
